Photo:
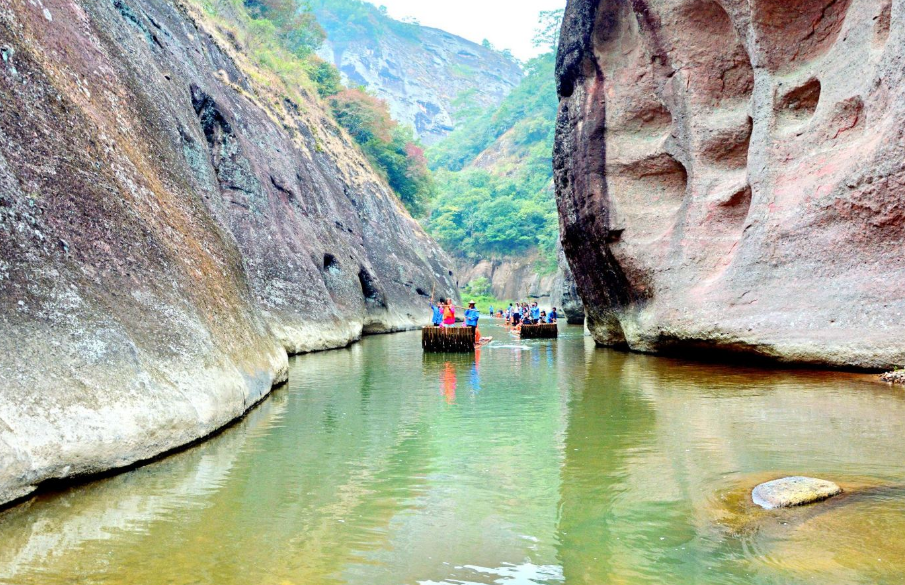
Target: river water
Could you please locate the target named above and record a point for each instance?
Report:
(538, 462)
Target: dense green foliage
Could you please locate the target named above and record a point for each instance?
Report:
(295, 24)
(506, 207)
(392, 149)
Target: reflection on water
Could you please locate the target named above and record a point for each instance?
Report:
(540, 462)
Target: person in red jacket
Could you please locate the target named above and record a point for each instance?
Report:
(449, 314)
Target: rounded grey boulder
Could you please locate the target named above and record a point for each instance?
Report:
(793, 491)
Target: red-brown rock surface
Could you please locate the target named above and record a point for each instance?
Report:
(730, 175)
(173, 221)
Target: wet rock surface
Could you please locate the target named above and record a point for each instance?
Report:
(731, 176)
(895, 377)
(173, 221)
(793, 491)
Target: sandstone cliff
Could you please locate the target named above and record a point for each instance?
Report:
(173, 221)
(731, 175)
(510, 278)
(419, 71)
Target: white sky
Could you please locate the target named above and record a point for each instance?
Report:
(508, 24)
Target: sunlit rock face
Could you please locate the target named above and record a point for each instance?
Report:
(172, 223)
(730, 175)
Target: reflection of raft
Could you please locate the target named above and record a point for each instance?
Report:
(542, 331)
(447, 339)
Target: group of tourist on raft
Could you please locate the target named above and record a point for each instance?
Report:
(444, 315)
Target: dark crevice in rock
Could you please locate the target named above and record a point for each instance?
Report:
(129, 14)
(798, 105)
(330, 264)
(213, 121)
(282, 189)
(372, 294)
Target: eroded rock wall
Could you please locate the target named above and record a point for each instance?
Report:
(565, 295)
(731, 175)
(173, 221)
(510, 278)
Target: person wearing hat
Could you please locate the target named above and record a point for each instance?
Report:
(472, 315)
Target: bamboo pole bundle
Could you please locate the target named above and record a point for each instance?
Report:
(540, 331)
(447, 339)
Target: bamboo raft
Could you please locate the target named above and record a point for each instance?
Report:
(447, 339)
(540, 331)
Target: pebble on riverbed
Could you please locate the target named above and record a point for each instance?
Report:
(896, 377)
(793, 491)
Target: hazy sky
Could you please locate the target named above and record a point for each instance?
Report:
(508, 24)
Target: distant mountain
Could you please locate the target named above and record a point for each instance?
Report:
(494, 174)
(495, 209)
(427, 76)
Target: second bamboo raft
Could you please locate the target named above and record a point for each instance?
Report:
(540, 331)
(447, 339)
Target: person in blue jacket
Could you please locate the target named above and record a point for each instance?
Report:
(535, 313)
(472, 315)
(437, 317)
(491, 311)
(553, 316)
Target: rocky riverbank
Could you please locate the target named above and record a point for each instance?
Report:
(174, 219)
(895, 377)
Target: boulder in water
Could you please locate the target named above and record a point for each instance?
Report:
(793, 491)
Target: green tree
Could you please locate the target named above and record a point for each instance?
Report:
(326, 77)
(546, 35)
(295, 23)
(391, 148)
(508, 207)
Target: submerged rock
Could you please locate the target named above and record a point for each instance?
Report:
(793, 491)
(896, 377)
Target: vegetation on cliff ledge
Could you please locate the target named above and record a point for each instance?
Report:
(494, 173)
(490, 192)
(283, 36)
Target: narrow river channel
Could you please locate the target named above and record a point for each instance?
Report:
(532, 462)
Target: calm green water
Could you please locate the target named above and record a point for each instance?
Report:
(537, 463)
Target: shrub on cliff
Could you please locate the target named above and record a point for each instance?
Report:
(506, 207)
(295, 23)
(391, 148)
